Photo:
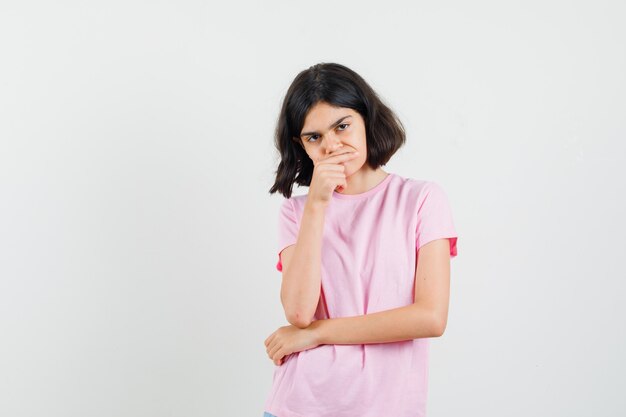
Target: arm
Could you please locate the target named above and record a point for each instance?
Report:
(403, 323)
(426, 317)
(300, 289)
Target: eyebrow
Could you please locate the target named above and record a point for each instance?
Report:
(330, 127)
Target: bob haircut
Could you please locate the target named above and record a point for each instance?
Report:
(338, 86)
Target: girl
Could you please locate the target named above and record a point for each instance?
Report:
(361, 307)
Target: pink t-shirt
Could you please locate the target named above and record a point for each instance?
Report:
(369, 249)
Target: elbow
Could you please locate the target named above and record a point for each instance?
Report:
(295, 317)
(439, 327)
(299, 320)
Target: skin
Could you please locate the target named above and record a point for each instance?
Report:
(348, 136)
(337, 171)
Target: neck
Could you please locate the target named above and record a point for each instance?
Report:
(363, 180)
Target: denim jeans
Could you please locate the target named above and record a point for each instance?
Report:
(266, 414)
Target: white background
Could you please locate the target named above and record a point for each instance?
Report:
(138, 238)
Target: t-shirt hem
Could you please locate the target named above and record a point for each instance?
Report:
(283, 412)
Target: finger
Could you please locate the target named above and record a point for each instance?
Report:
(338, 158)
(335, 155)
(277, 355)
(272, 352)
(269, 348)
(333, 167)
(339, 176)
(332, 171)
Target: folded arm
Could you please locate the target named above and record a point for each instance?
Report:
(426, 317)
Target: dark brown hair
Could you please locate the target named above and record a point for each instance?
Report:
(338, 86)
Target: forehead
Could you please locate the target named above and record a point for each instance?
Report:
(323, 114)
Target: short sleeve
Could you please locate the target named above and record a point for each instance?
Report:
(434, 218)
(287, 228)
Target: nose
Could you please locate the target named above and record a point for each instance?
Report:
(333, 144)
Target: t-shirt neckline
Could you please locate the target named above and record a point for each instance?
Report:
(367, 193)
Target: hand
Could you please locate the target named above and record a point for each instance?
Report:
(290, 339)
(329, 175)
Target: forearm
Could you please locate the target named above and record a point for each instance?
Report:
(398, 324)
(300, 290)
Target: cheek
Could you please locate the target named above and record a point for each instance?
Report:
(359, 141)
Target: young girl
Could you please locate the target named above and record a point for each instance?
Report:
(365, 257)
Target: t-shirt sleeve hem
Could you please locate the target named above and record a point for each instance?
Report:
(453, 242)
(279, 265)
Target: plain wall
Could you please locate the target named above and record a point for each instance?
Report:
(138, 240)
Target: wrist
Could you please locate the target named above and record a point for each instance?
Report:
(316, 328)
(317, 207)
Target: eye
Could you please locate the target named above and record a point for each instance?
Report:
(344, 124)
(309, 138)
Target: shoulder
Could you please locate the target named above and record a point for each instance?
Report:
(292, 206)
(414, 187)
(420, 194)
(297, 201)
(293, 201)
